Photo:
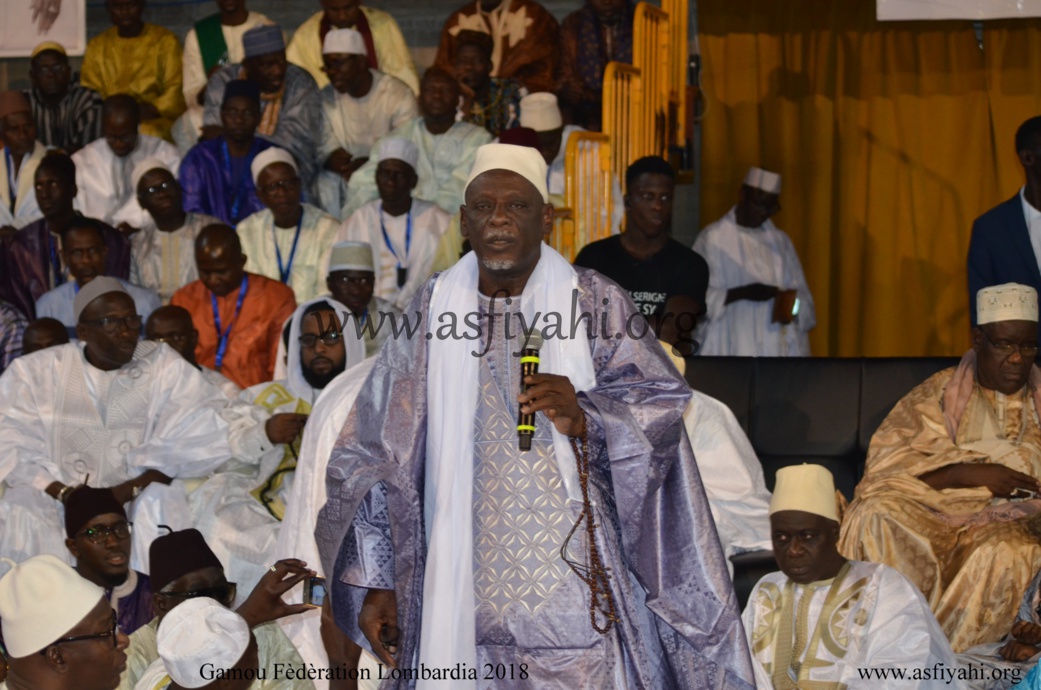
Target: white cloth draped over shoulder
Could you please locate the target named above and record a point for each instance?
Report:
(22, 209)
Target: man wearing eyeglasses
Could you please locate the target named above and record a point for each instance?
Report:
(163, 250)
(59, 629)
(109, 411)
(952, 476)
(288, 241)
(83, 250)
(98, 537)
(351, 280)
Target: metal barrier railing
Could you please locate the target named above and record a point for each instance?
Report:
(624, 115)
(678, 11)
(587, 187)
(651, 55)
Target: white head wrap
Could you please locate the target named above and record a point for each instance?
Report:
(41, 600)
(198, 632)
(344, 41)
(269, 156)
(400, 149)
(765, 180)
(354, 347)
(809, 488)
(143, 168)
(91, 291)
(351, 256)
(523, 160)
(1008, 302)
(540, 112)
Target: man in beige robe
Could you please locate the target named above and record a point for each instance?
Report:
(952, 476)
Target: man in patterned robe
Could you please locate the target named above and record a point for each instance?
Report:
(947, 471)
(432, 442)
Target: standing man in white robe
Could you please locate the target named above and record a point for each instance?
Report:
(288, 241)
(404, 231)
(758, 303)
(22, 152)
(104, 166)
(109, 410)
(822, 619)
(359, 106)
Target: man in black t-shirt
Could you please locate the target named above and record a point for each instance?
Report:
(645, 260)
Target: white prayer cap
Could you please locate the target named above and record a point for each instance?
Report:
(269, 156)
(809, 488)
(400, 149)
(41, 600)
(197, 632)
(1008, 302)
(143, 168)
(344, 41)
(540, 112)
(351, 256)
(765, 180)
(523, 160)
(680, 363)
(102, 285)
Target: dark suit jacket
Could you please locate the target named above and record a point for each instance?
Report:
(1000, 251)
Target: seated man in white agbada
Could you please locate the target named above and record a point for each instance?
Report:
(822, 619)
(108, 411)
(239, 510)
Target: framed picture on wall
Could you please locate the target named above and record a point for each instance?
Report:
(24, 24)
(957, 9)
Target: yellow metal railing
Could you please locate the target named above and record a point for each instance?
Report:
(651, 39)
(624, 115)
(563, 237)
(587, 187)
(678, 11)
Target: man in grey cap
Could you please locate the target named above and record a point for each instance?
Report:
(290, 120)
(109, 411)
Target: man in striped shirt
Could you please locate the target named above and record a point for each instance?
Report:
(67, 115)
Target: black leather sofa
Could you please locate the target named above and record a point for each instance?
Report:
(818, 410)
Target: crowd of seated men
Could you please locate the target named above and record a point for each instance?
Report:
(205, 245)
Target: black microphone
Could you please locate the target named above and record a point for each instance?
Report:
(529, 367)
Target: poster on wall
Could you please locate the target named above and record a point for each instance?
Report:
(24, 24)
(957, 9)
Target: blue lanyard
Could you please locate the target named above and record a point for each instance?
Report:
(237, 185)
(285, 271)
(59, 277)
(408, 236)
(12, 181)
(222, 335)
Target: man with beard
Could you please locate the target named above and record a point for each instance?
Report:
(173, 325)
(98, 537)
(239, 511)
(67, 115)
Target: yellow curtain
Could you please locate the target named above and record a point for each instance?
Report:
(892, 137)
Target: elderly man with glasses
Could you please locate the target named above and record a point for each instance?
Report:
(109, 411)
(183, 568)
(952, 476)
(59, 630)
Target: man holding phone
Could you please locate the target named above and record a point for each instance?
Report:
(758, 303)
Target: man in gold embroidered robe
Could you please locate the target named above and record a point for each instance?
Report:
(952, 473)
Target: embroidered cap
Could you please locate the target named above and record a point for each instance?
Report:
(344, 42)
(522, 160)
(200, 634)
(540, 112)
(263, 40)
(102, 285)
(399, 149)
(268, 157)
(351, 256)
(765, 180)
(808, 488)
(1008, 302)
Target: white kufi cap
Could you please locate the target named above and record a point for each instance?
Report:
(523, 160)
(765, 180)
(197, 632)
(269, 156)
(143, 168)
(41, 600)
(1008, 302)
(351, 256)
(400, 149)
(540, 112)
(344, 41)
(808, 488)
(102, 285)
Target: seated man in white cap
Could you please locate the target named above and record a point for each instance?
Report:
(239, 510)
(359, 105)
(83, 250)
(823, 619)
(404, 230)
(109, 411)
(59, 631)
(185, 571)
(162, 251)
(446, 148)
(496, 578)
(758, 302)
(287, 241)
(351, 281)
(104, 167)
(288, 97)
(173, 325)
(942, 498)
